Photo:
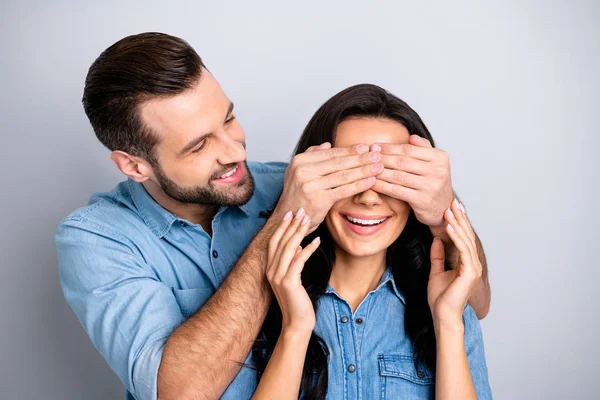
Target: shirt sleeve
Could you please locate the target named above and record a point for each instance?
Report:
(476, 354)
(126, 311)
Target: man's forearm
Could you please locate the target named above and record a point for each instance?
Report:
(481, 296)
(202, 356)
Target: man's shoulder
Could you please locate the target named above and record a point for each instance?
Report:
(269, 168)
(268, 180)
(109, 213)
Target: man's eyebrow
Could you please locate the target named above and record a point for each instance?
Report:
(229, 111)
(194, 142)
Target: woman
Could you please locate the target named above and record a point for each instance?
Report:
(375, 312)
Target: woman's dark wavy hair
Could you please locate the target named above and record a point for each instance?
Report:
(408, 256)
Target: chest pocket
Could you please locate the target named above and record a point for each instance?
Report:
(190, 300)
(401, 380)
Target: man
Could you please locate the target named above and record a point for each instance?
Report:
(166, 272)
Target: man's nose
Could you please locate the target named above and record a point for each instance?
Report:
(231, 151)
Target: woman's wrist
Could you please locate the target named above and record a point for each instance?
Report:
(295, 335)
(450, 325)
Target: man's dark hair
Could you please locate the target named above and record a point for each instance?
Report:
(134, 70)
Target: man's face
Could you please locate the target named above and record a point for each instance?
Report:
(201, 156)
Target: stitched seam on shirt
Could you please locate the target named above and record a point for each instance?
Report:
(78, 216)
(114, 235)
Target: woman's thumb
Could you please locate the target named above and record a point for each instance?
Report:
(437, 256)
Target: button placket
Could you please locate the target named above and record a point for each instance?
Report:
(217, 265)
(347, 336)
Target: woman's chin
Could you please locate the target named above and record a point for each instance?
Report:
(362, 250)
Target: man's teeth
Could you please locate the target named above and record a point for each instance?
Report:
(227, 175)
(365, 221)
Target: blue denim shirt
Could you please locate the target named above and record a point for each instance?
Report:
(133, 272)
(371, 355)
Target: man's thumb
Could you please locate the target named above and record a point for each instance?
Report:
(437, 256)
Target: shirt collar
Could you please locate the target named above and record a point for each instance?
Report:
(156, 217)
(387, 280)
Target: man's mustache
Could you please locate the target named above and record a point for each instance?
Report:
(226, 168)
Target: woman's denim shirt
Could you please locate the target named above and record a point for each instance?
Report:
(371, 355)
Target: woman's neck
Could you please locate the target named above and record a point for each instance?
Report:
(354, 277)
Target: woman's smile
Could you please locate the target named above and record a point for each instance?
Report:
(365, 224)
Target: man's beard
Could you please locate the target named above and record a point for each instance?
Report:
(237, 194)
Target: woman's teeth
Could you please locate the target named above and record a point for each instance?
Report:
(365, 222)
(227, 175)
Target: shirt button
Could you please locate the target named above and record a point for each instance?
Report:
(421, 374)
(215, 254)
(344, 319)
(359, 321)
(351, 368)
(181, 223)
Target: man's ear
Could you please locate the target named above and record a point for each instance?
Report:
(134, 167)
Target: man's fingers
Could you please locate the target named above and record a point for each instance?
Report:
(346, 176)
(343, 163)
(322, 146)
(350, 189)
(437, 256)
(329, 153)
(409, 150)
(404, 163)
(396, 191)
(402, 178)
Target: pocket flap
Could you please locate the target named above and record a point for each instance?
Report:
(402, 366)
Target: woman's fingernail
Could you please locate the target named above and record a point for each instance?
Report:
(451, 228)
(462, 207)
(456, 203)
(451, 213)
(300, 212)
(304, 220)
(287, 216)
(317, 239)
(376, 147)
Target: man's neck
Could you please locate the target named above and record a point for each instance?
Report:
(354, 277)
(196, 213)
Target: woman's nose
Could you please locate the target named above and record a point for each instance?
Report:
(368, 198)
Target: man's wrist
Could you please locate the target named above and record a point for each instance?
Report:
(450, 250)
(440, 231)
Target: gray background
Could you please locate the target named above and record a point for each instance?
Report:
(509, 89)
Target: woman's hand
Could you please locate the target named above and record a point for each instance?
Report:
(285, 263)
(448, 291)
